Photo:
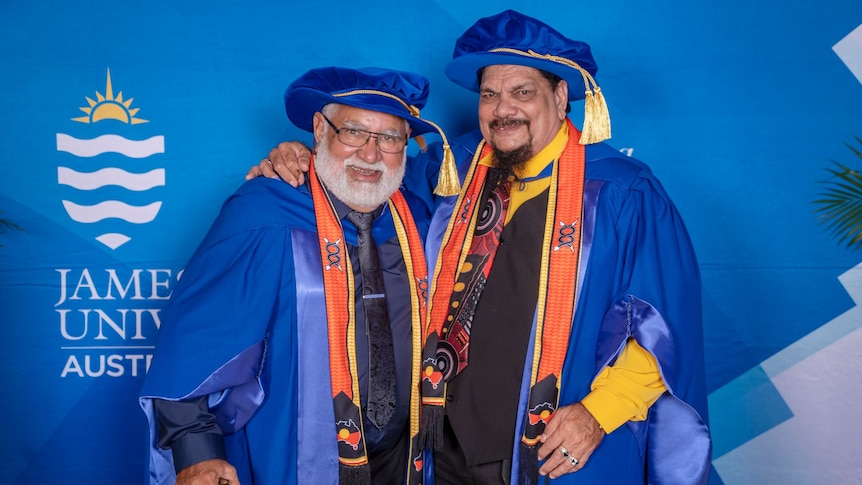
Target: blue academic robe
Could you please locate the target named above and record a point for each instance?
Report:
(246, 326)
(638, 279)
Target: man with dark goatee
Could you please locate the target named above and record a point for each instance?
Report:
(565, 307)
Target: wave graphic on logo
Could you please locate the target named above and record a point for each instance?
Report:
(115, 107)
(110, 143)
(112, 209)
(111, 176)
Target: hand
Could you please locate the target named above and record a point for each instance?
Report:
(208, 473)
(575, 429)
(289, 160)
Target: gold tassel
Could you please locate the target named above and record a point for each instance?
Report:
(447, 182)
(587, 128)
(597, 120)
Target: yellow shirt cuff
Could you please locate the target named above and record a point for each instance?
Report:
(625, 390)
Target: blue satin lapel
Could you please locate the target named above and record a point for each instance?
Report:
(317, 453)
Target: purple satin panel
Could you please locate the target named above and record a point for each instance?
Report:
(316, 450)
(651, 331)
(161, 469)
(592, 188)
(437, 230)
(679, 446)
(520, 422)
(235, 406)
(613, 334)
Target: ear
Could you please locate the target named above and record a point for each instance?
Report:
(319, 125)
(561, 98)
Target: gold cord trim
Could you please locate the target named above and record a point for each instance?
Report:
(412, 109)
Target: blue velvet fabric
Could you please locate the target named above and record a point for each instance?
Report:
(514, 30)
(319, 87)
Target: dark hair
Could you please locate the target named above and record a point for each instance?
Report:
(551, 77)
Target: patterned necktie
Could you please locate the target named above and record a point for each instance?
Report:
(453, 348)
(381, 356)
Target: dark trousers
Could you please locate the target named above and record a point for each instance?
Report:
(450, 466)
(388, 465)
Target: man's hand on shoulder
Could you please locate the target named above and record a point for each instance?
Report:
(208, 472)
(289, 161)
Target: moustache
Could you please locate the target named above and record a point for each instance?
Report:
(356, 162)
(507, 122)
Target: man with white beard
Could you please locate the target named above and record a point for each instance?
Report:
(290, 350)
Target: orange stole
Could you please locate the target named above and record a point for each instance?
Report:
(338, 283)
(558, 281)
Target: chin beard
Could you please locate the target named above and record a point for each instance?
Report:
(512, 159)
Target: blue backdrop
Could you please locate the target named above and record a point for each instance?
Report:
(123, 126)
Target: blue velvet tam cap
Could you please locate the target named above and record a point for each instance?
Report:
(514, 38)
(511, 37)
(397, 93)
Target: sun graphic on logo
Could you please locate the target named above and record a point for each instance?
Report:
(110, 107)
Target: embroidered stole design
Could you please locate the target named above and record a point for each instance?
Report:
(556, 297)
(338, 283)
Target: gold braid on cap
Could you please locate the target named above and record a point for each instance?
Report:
(447, 181)
(597, 120)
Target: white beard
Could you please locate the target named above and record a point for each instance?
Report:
(355, 193)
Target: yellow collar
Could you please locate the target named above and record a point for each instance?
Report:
(532, 186)
(535, 165)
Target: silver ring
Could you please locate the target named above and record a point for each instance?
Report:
(268, 161)
(572, 460)
(223, 481)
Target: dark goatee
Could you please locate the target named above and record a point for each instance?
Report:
(512, 160)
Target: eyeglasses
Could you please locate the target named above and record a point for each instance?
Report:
(355, 137)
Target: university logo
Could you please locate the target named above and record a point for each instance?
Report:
(103, 213)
